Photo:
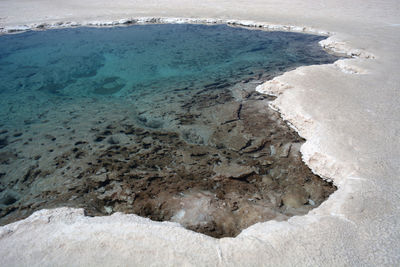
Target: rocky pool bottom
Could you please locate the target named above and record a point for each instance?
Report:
(158, 120)
(107, 160)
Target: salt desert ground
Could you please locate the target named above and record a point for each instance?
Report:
(347, 112)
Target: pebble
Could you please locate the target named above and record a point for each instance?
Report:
(108, 209)
(102, 170)
(147, 140)
(272, 148)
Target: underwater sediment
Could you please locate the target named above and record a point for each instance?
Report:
(159, 120)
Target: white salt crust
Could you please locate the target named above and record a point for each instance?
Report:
(357, 225)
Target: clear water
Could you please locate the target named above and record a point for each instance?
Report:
(131, 118)
(128, 62)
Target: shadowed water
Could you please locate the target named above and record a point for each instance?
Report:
(158, 120)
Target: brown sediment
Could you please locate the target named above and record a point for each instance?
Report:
(247, 168)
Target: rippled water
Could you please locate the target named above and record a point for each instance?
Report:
(110, 119)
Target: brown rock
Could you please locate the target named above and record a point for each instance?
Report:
(227, 112)
(295, 198)
(285, 150)
(257, 145)
(234, 170)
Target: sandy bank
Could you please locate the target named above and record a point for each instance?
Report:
(348, 112)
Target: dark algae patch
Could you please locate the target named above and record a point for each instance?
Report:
(162, 121)
(109, 86)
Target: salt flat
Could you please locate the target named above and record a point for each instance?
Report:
(348, 112)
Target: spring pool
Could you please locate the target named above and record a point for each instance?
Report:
(158, 120)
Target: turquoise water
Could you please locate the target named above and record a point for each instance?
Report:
(131, 118)
(90, 62)
(139, 62)
(84, 61)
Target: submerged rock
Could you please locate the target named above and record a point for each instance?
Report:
(234, 170)
(109, 86)
(3, 142)
(131, 123)
(295, 197)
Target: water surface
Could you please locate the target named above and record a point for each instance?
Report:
(158, 120)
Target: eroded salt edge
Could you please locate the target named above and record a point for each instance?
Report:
(321, 164)
(330, 44)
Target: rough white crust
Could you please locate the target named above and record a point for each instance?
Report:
(161, 20)
(357, 225)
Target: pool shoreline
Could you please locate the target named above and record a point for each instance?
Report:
(356, 225)
(190, 131)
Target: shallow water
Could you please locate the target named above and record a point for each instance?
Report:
(158, 120)
(131, 61)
